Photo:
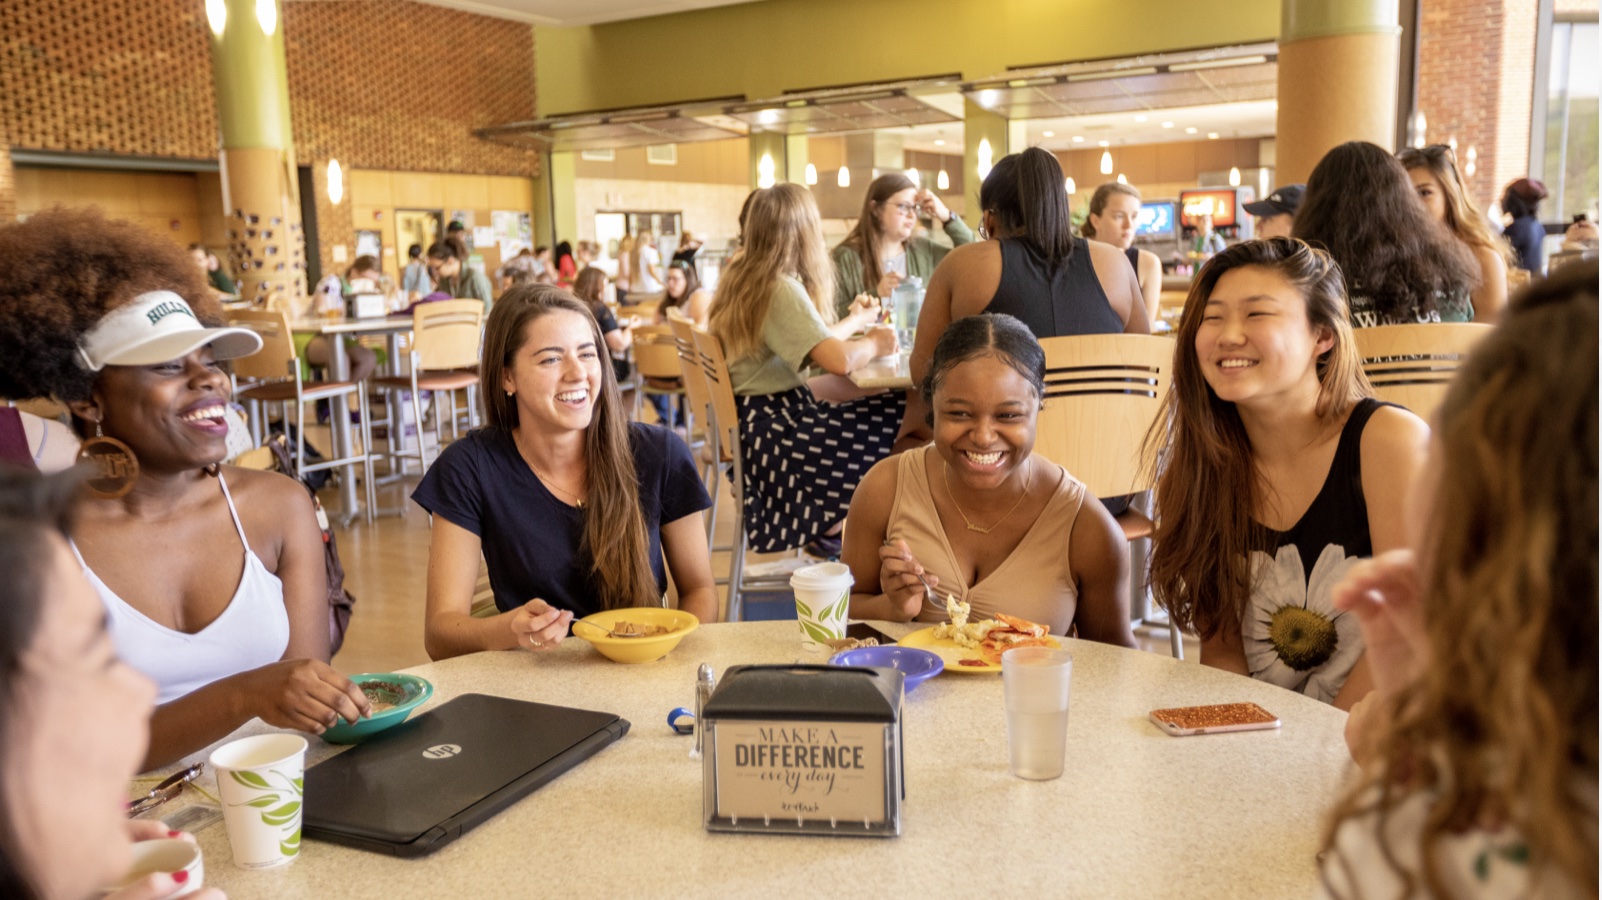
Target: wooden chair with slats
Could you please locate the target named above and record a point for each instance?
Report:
(446, 343)
(656, 366)
(698, 396)
(1412, 365)
(273, 375)
(1103, 392)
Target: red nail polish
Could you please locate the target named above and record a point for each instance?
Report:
(180, 877)
(173, 834)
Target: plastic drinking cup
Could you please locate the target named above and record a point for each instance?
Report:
(260, 780)
(1035, 685)
(166, 855)
(822, 601)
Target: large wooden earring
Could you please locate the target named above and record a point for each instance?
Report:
(116, 467)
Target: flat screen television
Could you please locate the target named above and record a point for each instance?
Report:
(1217, 202)
(1157, 220)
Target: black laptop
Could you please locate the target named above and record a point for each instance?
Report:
(420, 785)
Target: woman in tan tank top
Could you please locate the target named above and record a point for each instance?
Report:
(980, 516)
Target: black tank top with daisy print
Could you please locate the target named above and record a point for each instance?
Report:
(1292, 634)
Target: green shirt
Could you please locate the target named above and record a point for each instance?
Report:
(792, 328)
(922, 257)
(469, 284)
(220, 280)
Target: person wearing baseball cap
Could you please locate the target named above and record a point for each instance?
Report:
(213, 579)
(1276, 213)
(1522, 201)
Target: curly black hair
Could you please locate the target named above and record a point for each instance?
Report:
(61, 271)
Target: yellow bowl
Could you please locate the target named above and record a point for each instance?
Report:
(642, 649)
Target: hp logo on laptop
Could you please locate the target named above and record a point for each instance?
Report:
(442, 751)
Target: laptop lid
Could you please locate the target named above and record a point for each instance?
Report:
(421, 784)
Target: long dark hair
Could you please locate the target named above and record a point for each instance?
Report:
(1208, 489)
(692, 283)
(864, 236)
(1361, 207)
(614, 523)
(1025, 192)
(32, 506)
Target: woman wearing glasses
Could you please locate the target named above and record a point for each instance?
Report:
(880, 252)
(1433, 171)
(685, 293)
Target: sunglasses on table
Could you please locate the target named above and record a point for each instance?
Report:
(168, 789)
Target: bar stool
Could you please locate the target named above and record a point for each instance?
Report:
(445, 354)
(275, 376)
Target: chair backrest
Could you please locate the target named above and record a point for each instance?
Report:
(725, 415)
(277, 358)
(690, 366)
(1412, 365)
(1103, 391)
(447, 334)
(656, 353)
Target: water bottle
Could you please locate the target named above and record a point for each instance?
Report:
(907, 303)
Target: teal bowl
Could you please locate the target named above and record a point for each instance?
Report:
(403, 693)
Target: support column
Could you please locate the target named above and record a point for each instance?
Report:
(770, 144)
(796, 156)
(563, 181)
(266, 246)
(1338, 67)
(980, 127)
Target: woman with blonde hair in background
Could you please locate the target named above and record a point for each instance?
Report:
(775, 314)
(1478, 746)
(1114, 209)
(1433, 171)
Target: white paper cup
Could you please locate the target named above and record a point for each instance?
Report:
(165, 855)
(822, 601)
(260, 782)
(1035, 689)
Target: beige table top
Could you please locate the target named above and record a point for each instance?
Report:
(890, 372)
(350, 325)
(1136, 814)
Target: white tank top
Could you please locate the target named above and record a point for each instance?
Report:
(253, 631)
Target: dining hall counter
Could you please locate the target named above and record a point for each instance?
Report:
(1136, 813)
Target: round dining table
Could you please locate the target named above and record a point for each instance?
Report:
(1136, 813)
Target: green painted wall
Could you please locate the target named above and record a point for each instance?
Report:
(762, 49)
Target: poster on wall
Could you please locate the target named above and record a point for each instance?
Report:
(369, 243)
(514, 231)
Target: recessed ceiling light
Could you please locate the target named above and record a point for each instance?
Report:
(1079, 139)
(1212, 135)
(1048, 134)
(1104, 143)
(1168, 124)
(1140, 118)
(940, 142)
(1190, 130)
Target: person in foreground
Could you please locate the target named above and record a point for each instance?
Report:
(1479, 744)
(1282, 471)
(74, 719)
(570, 505)
(978, 513)
(212, 577)
(775, 315)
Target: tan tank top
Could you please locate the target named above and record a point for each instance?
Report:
(1035, 581)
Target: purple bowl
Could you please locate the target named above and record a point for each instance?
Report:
(917, 666)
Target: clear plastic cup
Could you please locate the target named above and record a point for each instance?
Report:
(1035, 685)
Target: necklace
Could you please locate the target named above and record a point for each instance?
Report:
(1029, 478)
(548, 481)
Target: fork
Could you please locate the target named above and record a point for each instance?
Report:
(927, 587)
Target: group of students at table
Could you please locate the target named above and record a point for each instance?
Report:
(1439, 583)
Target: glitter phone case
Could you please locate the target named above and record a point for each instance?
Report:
(1188, 720)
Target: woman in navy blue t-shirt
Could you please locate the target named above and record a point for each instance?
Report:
(571, 506)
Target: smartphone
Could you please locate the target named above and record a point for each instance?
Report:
(1188, 720)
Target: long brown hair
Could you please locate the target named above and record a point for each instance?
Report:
(783, 236)
(1463, 218)
(1501, 726)
(614, 523)
(1209, 487)
(692, 283)
(865, 235)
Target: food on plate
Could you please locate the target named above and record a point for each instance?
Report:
(849, 643)
(990, 637)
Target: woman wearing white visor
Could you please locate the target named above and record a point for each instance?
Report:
(212, 578)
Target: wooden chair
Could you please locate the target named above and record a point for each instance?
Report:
(446, 343)
(724, 429)
(1412, 365)
(1102, 394)
(656, 366)
(698, 394)
(275, 373)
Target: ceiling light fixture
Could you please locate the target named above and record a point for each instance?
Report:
(844, 178)
(217, 16)
(267, 16)
(1168, 124)
(1234, 176)
(336, 182)
(943, 181)
(1106, 162)
(1122, 179)
(812, 174)
(986, 158)
(765, 171)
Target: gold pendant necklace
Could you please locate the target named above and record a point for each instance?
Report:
(1029, 478)
(548, 481)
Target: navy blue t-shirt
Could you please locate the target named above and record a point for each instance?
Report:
(531, 539)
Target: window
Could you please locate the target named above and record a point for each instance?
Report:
(1569, 163)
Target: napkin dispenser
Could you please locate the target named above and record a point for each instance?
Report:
(804, 749)
(369, 306)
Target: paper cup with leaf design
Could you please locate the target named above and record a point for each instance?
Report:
(822, 600)
(261, 782)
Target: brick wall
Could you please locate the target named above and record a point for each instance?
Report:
(1476, 75)
(383, 84)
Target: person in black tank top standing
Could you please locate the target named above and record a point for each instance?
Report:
(1031, 267)
(1282, 471)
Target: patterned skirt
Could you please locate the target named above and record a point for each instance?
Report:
(803, 459)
